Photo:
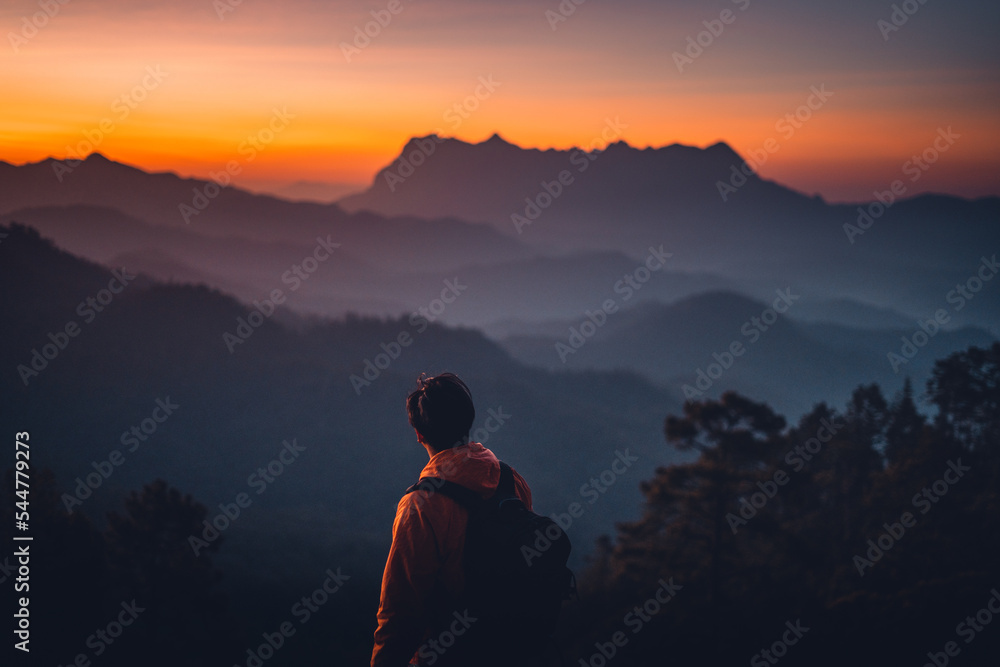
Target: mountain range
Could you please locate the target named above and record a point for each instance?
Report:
(400, 244)
(291, 379)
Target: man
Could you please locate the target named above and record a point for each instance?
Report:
(421, 617)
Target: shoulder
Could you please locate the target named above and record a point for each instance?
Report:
(424, 505)
(522, 489)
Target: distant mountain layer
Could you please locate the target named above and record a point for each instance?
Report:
(160, 200)
(641, 230)
(762, 236)
(703, 345)
(316, 192)
(904, 254)
(490, 180)
(357, 278)
(625, 197)
(86, 357)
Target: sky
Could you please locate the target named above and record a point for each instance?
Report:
(843, 93)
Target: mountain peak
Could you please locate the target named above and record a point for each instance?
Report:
(723, 149)
(496, 140)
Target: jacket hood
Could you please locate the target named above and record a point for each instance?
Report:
(471, 465)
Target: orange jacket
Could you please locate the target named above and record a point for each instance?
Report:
(423, 578)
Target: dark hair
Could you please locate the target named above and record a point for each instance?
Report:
(441, 410)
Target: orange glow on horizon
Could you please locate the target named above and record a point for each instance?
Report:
(177, 88)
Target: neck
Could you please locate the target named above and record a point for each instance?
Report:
(431, 450)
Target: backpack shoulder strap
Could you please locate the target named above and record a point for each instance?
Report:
(505, 489)
(465, 497)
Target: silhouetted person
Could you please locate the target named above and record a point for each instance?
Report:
(422, 617)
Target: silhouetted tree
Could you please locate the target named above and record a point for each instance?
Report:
(905, 427)
(851, 478)
(150, 559)
(80, 578)
(67, 573)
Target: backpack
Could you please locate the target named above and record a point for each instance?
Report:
(516, 576)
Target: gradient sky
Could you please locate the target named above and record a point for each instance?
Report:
(224, 76)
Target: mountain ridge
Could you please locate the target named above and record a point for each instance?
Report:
(158, 340)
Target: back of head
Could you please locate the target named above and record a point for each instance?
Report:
(441, 410)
